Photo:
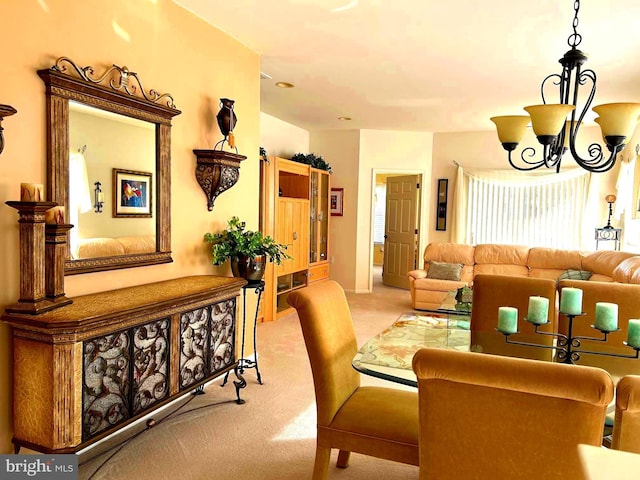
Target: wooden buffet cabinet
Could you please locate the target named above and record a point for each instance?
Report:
(85, 370)
(295, 211)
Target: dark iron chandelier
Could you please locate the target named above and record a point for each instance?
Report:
(555, 132)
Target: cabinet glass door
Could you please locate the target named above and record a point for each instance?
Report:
(323, 216)
(314, 215)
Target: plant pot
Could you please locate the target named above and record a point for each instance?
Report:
(251, 269)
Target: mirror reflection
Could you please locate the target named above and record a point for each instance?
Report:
(118, 152)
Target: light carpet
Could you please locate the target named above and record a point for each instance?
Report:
(271, 436)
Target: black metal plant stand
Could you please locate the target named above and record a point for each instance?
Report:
(246, 363)
(568, 347)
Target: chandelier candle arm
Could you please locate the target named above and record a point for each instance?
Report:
(617, 120)
(548, 120)
(511, 129)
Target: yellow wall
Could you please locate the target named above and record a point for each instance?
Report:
(353, 155)
(340, 148)
(282, 139)
(172, 51)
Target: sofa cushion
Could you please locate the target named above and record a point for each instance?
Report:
(626, 270)
(452, 253)
(496, 259)
(444, 271)
(602, 263)
(437, 285)
(552, 262)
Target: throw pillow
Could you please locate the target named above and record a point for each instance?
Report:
(445, 271)
(575, 275)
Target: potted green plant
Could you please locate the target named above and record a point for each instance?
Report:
(247, 250)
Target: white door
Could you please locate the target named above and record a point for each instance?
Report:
(401, 230)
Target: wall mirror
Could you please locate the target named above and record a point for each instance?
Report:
(109, 164)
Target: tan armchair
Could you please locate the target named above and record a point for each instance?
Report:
(493, 291)
(487, 417)
(376, 421)
(626, 427)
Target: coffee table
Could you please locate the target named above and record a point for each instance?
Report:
(388, 355)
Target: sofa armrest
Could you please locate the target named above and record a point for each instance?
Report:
(417, 274)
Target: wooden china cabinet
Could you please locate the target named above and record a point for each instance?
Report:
(295, 211)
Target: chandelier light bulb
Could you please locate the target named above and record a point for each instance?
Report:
(511, 128)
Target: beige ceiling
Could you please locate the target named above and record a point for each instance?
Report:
(428, 65)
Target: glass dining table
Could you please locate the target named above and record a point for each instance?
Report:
(388, 355)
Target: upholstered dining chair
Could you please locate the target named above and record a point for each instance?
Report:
(375, 421)
(626, 426)
(493, 291)
(626, 297)
(490, 417)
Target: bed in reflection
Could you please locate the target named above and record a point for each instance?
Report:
(109, 247)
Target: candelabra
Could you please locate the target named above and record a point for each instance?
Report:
(569, 347)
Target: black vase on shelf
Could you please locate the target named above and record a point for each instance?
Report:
(226, 116)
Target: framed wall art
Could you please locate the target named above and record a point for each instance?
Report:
(441, 204)
(337, 202)
(132, 193)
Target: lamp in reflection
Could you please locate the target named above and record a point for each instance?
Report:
(5, 111)
(98, 198)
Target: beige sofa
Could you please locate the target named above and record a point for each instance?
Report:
(535, 262)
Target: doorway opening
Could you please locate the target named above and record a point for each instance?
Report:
(396, 225)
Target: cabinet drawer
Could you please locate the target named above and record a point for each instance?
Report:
(317, 273)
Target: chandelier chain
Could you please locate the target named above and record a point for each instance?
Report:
(575, 38)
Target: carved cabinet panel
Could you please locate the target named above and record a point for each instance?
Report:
(207, 338)
(124, 374)
(85, 370)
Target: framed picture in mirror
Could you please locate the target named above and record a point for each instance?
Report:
(131, 193)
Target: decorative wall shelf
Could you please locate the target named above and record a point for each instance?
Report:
(217, 171)
(5, 111)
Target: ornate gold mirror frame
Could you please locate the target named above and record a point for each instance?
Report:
(120, 91)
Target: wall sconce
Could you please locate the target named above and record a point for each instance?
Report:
(98, 198)
(5, 111)
(217, 170)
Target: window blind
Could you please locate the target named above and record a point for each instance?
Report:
(519, 209)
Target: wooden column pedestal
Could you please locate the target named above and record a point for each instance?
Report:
(32, 258)
(55, 255)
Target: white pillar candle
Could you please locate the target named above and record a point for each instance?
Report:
(633, 333)
(31, 192)
(538, 310)
(571, 301)
(54, 215)
(507, 319)
(606, 316)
